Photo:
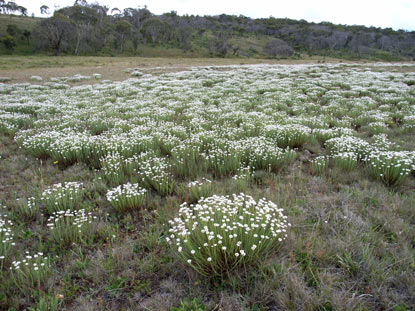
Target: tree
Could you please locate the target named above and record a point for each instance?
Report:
(9, 43)
(44, 10)
(84, 18)
(123, 29)
(278, 48)
(219, 45)
(55, 33)
(11, 7)
(154, 28)
(26, 34)
(13, 30)
(22, 10)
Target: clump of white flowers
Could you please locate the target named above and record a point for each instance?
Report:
(30, 272)
(112, 168)
(136, 73)
(97, 76)
(127, 196)
(242, 178)
(319, 165)
(6, 238)
(63, 196)
(288, 135)
(36, 78)
(346, 161)
(68, 227)
(220, 233)
(353, 144)
(26, 210)
(391, 167)
(198, 189)
(155, 173)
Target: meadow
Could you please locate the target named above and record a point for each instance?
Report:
(226, 187)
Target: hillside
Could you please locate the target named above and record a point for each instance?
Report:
(23, 22)
(89, 29)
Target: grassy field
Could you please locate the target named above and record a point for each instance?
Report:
(195, 184)
(21, 68)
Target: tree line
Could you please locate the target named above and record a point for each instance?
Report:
(92, 29)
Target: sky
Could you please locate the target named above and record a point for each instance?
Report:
(396, 14)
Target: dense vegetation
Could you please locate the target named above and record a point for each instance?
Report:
(255, 187)
(90, 29)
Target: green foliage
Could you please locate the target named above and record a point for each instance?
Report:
(9, 43)
(13, 30)
(189, 305)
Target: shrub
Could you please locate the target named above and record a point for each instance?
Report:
(221, 233)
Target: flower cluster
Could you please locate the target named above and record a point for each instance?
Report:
(62, 196)
(198, 189)
(347, 161)
(30, 273)
(319, 165)
(68, 227)
(6, 237)
(391, 167)
(127, 196)
(220, 233)
(27, 210)
(155, 173)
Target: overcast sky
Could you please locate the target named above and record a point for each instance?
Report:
(397, 14)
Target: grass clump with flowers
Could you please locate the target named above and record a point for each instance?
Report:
(68, 227)
(62, 196)
(30, 273)
(6, 239)
(127, 196)
(221, 233)
(390, 167)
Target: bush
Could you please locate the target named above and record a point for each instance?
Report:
(221, 233)
(9, 43)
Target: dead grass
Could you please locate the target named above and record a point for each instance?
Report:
(21, 68)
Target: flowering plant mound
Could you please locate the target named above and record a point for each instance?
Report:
(198, 189)
(67, 227)
(30, 273)
(127, 196)
(6, 238)
(319, 165)
(347, 161)
(62, 196)
(391, 167)
(220, 233)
